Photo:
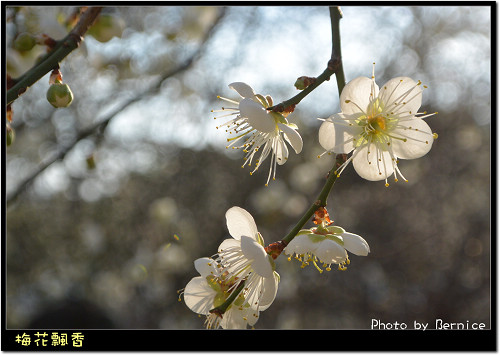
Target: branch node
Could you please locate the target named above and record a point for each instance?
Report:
(278, 108)
(73, 39)
(334, 63)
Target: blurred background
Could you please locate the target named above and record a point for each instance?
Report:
(105, 220)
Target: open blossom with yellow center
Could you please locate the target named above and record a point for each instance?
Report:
(211, 289)
(241, 282)
(257, 129)
(326, 245)
(245, 258)
(379, 126)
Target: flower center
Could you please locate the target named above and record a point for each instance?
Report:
(378, 123)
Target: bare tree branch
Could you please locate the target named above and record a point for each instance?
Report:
(99, 127)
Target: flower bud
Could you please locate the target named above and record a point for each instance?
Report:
(303, 82)
(106, 27)
(59, 95)
(24, 42)
(11, 135)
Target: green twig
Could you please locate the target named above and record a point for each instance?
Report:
(220, 310)
(335, 65)
(320, 201)
(55, 56)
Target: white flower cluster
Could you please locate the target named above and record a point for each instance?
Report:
(378, 125)
(242, 261)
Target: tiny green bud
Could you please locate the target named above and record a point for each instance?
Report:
(299, 84)
(59, 95)
(303, 82)
(11, 135)
(24, 42)
(106, 27)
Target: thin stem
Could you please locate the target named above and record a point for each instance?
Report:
(327, 73)
(223, 307)
(334, 66)
(321, 200)
(335, 16)
(56, 55)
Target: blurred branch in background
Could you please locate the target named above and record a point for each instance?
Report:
(100, 127)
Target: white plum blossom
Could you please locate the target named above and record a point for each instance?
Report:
(244, 258)
(379, 126)
(328, 245)
(210, 290)
(257, 129)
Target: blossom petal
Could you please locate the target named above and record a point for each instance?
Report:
(269, 291)
(371, 163)
(418, 139)
(257, 255)
(355, 244)
(240, 222)
(330, 252)
(281, 152)
(229, 243)
(292, 136)
(359, 92)
(205, 266)
(257, 116)
(252, 316)
(336, 135)
(401, 94)
(234, 318)
(243, 89)
(301, 244)
(199, 296)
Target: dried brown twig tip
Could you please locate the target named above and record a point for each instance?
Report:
(275, 249)
(321, 215)
(288, 110)
(55, 76)
(278, 108)
(46, 40)
(340, 159)
(9, 114)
